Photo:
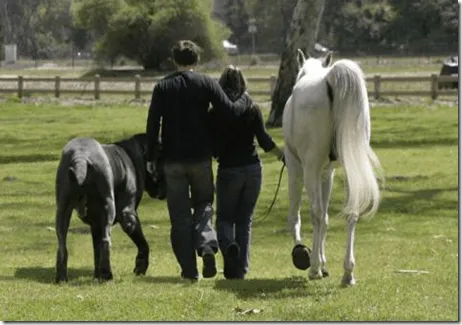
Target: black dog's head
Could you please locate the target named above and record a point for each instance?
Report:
(154, 185)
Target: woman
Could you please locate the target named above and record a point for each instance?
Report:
(239, 174)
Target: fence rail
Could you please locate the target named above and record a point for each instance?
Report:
(133, 85)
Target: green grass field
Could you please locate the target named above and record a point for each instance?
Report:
(415, 228)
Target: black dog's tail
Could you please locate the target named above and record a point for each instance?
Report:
(78, 171)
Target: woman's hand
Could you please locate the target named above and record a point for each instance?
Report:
(279, 153)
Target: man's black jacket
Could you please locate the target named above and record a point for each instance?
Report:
(182, 100)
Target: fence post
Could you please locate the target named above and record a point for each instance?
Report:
(97, 86)
(377, 86)
(434, 86)
(137, 86)
(20, 86)
(57, 86)
(272, 82)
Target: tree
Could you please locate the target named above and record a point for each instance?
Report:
(423, 23)
(273, 23)
(145, 30)
(6, 23)
(357, 27)
(1, 44)
(95, 15)
(236, 18)
(302, 34)
(55, 34)
(40, 28)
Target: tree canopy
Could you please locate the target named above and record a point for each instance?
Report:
(145, 30)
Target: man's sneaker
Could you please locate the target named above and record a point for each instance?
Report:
(209, 269)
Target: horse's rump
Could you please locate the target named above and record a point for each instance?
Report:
(307, 119)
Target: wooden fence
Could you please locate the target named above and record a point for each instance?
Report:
(133, 85)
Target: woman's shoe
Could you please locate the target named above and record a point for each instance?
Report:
(230, 270)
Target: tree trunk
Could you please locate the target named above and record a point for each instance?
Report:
(6, 24)
(302, 34)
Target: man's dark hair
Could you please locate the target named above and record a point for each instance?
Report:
(186, 53)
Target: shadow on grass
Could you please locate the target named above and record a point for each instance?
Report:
(22, 205)
(412, 143)
(6, 159)
(419, 201)
(289, 287)
(165, 279)
(29, 190)
(47, 274)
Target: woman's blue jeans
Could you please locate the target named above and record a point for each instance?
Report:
(238, 189)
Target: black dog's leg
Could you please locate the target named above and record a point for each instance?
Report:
(63, 217)
(96, 235)
(135, 232)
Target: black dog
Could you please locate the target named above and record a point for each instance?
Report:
(105, 184)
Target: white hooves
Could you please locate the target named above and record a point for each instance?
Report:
(348, 280)
(315, 275)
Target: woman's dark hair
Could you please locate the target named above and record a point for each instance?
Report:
(233, 82)
(186, 53)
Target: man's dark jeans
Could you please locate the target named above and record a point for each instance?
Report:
(238, 189)
(190, 185)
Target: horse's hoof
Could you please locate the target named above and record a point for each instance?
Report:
(348, 280)
(315, 276)
(325, 273)
(301, 257)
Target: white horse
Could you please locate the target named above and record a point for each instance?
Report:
(326, 119)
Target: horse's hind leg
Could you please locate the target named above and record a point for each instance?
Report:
(313, 186)
(326, 191)
(96, 235)
(63, 217)
(300, 253)
(107, 222)
(295, 173)
(349, 262)
(102, 213)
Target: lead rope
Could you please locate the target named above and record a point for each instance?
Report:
(257, 222)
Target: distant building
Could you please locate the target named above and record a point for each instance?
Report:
(10, 53)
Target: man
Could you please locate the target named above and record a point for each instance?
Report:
(182, 100)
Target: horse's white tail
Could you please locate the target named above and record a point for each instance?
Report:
(352, 132)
